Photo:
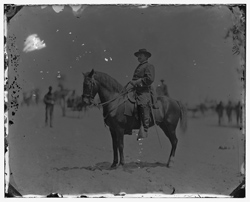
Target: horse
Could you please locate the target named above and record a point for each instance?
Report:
(113, 97)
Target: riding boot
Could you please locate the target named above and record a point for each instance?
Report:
(145, 118)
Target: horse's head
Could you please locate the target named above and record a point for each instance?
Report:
(89, 88)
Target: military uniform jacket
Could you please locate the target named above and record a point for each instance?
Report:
(146, 73)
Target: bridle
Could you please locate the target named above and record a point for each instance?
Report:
(90, 95)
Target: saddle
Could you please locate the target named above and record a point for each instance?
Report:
(131, 104)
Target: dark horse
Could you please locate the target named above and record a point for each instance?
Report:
(113, 97)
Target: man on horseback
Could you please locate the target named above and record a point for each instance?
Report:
(142, 80)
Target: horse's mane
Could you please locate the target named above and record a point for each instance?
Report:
(108, 81)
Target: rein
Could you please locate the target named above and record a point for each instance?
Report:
(113, 99)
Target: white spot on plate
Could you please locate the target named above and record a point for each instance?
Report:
(58, 8)
(33, 42)
(75, 8)
(144, 6)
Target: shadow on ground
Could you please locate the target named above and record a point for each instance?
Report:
(128, 167)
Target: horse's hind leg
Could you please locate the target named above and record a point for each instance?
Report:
(169, 130)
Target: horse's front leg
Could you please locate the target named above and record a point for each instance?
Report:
(120, 137)
(115, 148)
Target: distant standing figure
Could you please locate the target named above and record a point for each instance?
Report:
(162, 89)
(219, 110)
(49, 102)
(203, 108)
(37, 93)
(229, 109)
(238, 111)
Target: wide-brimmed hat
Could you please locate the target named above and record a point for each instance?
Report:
(144, 51)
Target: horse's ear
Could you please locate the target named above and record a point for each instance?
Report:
(91, 73)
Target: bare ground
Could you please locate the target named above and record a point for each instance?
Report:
(74, 157)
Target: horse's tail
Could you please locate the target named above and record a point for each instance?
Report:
(183, 117)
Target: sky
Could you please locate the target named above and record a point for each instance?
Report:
(186, 42)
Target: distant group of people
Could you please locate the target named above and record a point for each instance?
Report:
(72, 101)
(229, 109)
(31, 97)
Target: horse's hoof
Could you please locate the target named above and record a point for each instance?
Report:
(114, 166)
(170, 164)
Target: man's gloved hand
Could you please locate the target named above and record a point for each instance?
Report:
(136, 82)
